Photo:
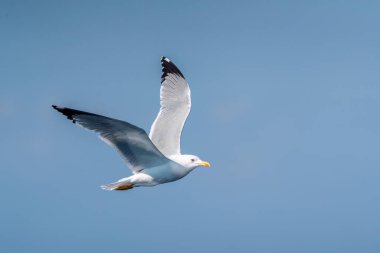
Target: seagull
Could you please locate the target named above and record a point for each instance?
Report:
(154, 159)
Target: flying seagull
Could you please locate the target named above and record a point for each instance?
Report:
(154, 159)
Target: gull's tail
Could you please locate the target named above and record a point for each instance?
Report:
(122, 184)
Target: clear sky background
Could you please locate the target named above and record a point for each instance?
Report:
(286, 100)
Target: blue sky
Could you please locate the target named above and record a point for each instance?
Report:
(286, 99)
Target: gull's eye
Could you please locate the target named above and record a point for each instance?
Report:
(192, 159)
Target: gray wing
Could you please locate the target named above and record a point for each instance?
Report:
(175, 104)
(131, 142)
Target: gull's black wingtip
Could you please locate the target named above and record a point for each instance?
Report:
(164, 58)
(59, 108)
(168, 67)
(56, 107)
(69, 113)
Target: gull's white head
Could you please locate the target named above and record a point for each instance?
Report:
(190, 161)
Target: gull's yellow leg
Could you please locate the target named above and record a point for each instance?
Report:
(124, 187)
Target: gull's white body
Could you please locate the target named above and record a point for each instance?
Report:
(168, 172)
(165, 173)
(156, 159)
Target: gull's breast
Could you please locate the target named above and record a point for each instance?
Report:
(166, 173)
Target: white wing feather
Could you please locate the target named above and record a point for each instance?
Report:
(175, 103)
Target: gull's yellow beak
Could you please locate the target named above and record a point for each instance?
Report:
(205, 164)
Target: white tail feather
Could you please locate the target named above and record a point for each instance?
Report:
(111, 186)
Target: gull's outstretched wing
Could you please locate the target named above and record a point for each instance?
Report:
(131, 142)
(175, 107)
